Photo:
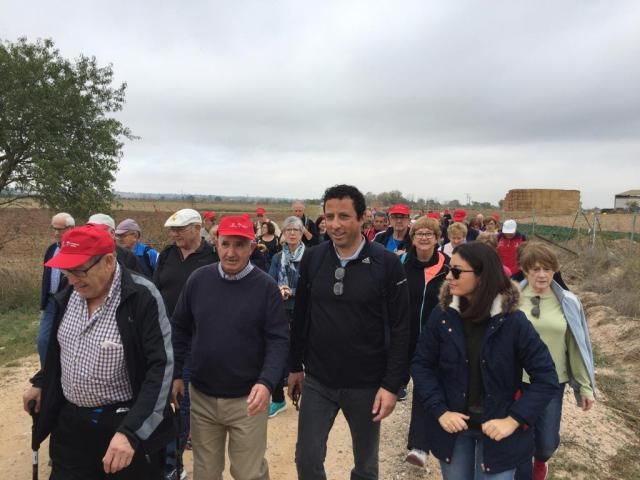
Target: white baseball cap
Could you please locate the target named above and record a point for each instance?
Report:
(102, 219)
(184, 217)
(509, 226)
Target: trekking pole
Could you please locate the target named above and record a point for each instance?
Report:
(179, 463)
(34, 448)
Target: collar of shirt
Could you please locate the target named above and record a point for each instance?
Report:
(238, 276)
(345, 260)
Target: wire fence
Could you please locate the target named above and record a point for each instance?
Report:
(584, 229)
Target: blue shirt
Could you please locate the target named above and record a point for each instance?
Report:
(392, 244)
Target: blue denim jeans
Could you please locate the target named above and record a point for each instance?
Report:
(318, 409)
(466, 459)
(44, 332)
(546, 434)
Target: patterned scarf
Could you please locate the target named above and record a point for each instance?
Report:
(288, 274)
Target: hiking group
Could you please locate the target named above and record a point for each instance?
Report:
(344, 312)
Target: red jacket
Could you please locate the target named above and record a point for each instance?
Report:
(507, 250)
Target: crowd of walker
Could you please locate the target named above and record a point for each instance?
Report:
(144, 354)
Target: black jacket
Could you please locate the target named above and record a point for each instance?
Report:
(383, 238)
(358, 339)
(172, 271)
(146, 339)
(46, 277)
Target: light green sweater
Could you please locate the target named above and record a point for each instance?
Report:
(552, 328)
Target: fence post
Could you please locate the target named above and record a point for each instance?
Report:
(593, 228)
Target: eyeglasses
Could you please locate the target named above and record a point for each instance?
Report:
(292, 230)
(399, 217)
(455, 271)
(424, 234)
(338, 287)
(180, 229)
(59, 229)
(82, 272)
(535, 310)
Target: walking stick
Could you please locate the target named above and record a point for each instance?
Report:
(34, 448)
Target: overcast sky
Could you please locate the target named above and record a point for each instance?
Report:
(435, 99)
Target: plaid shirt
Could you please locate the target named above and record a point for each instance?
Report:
(91, 353)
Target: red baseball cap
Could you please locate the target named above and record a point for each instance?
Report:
(209, 215)
(459, 215)
(399, 209)
(236, 225)
(435, 215)
(79, 244)
(260, 211)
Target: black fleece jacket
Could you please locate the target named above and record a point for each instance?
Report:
(342, 340)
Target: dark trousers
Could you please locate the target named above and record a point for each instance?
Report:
(546, 434)
(318, 409)
(80, 441)
(417, 429)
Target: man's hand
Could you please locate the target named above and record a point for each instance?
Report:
(383, 404)
(500, 428)
(586, 403)
(177, 392)
(32, 393)
(119, 454)
(453, 422)
(258, 399)
(294, 384)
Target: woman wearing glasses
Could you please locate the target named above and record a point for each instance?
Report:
(424, 266)
(558, 316)
(468, 367)
(284, 269)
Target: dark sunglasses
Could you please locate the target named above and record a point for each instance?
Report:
(535, 310)
(455, 271)
(338, 287)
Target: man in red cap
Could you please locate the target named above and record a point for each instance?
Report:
(396, 238)
(231, 317)
(208, 221)
(103, 393)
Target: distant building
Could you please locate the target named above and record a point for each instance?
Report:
(627, 199)
(542, 200)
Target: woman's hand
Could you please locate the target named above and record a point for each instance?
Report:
(453, 422)
(285, 291)
(500, 428)
(586, 403)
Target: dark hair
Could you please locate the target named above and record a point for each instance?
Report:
(347, 191)
(319, 220)
(380, 213)
(491, 279)
(271, 229)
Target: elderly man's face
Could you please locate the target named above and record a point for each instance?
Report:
(234, 253)
(298, 209)
(93, 278)
(58, 227)
(186, 237)
(379, 223)
(127, 239)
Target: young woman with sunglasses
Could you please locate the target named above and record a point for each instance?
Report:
(468, 366)
(558, 316)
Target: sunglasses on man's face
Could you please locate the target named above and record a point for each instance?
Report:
(455, 271)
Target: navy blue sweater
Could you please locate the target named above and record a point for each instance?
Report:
(237, 330)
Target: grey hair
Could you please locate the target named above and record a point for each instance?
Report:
(68, 219)
(292, 222)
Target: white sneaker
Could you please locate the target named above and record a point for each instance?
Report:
(417, 457)
(183, 475)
